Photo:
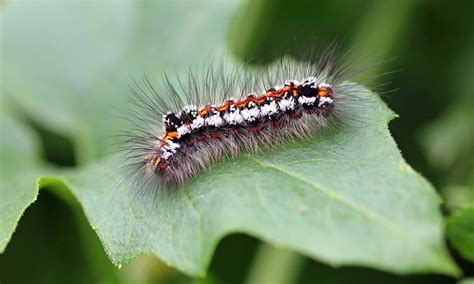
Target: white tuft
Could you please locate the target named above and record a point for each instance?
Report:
(214, 120)
(269, 109)
(307, 100)
(166, 155)
(288, 104)
(250, 114)
(233, 118)
(197, 123)
(182, 130)
(323, 100)
(169, 149)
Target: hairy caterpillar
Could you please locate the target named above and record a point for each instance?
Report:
(184, 127)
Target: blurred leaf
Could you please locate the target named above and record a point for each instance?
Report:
(460, 231)
(458, 196)
(450, 137)
(448, 141)
(265, 29)
(449, 146)
(467, 281)
(345, 197)
(275, 265)
(85, 53)
(392, 18)
(148, 269)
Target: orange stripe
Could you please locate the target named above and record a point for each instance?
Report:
(205, 110)
(170, 135)
(225, 106)
(245, 102)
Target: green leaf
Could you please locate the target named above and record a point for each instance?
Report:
(53, 230)
(460, 231)
(47, 222)
(19, 168)
(344, 197)
(61, 72)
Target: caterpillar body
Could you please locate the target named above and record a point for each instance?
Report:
(186, 127)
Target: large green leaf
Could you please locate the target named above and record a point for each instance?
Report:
(344, 197)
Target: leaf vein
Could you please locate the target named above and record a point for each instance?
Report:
(370, 215)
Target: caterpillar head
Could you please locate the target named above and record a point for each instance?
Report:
(171, 121)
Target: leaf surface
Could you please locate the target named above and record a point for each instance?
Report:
(19, 163)
(344, 197)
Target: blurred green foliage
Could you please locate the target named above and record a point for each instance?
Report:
(432, 43)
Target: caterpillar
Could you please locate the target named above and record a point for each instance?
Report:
(185, 126)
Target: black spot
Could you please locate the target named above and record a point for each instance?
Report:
(308, 91)
(172, 121)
